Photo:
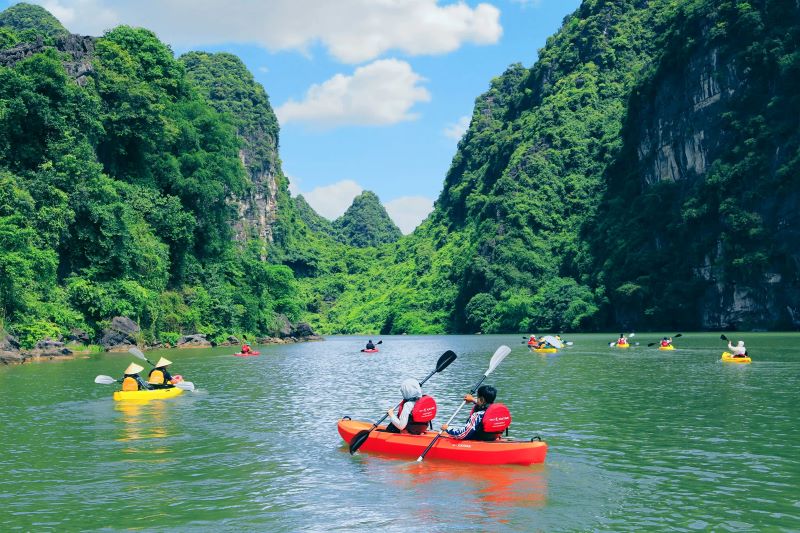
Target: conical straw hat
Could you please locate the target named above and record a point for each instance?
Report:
(163, 362)
(133, 368)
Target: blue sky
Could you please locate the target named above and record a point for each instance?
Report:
(371, 94)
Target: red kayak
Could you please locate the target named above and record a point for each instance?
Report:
(373, 350)
(248, 354)
(499, 452)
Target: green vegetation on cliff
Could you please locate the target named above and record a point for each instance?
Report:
(114, 201)
(28, 22)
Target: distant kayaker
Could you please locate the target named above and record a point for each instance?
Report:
(739, 350)
(370, 345)
(666, 342)
(415, 411)
(533, 343)
(245, 348)
(487, 421)
(159, 377)
(131, 379)
(622, 340)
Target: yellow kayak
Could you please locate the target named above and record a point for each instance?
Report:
(665, 348)
(144, 395)
(729, 358)
(623, 345)
(545, 350)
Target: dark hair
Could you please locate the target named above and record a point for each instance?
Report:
(488, 393)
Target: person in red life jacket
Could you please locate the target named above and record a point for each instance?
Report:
(131, 380)
(159, 377)
(622, 340)
(245, 348)
(666, 342)
(533, 343)
(486, 422)
(415, 411)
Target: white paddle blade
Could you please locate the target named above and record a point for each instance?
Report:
(185, 385)
(105, 380)
(553, 341)
(497, 358)
(137, 352)
(632, 335)
(569, 343)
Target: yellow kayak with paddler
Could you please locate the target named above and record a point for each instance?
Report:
(729, 358)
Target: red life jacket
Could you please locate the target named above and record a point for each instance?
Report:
(664, 343)
(424, 411)
(496, 419)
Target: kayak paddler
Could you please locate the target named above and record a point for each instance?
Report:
(245, 348)
(370, 345)
(415, 411)
(131, 380)
(533, 343)
(486, 422)
(159, 377)
(739, 350)
(666, 342)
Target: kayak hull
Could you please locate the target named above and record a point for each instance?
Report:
(666, 348)
(251, 354)
(147, 395)
(502, 452)
(370, 351)
(545, 350)
(623, 345)
(729, 358)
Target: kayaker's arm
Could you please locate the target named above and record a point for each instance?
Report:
(402, 421)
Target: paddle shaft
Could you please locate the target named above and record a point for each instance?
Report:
(441, 431)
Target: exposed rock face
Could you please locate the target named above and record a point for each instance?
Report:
(684, 131)
(193, 341)
(79, 49)
(121, 335)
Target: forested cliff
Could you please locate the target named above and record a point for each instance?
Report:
(642, 174)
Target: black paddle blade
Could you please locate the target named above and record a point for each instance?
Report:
(358, 440)
(678, 335)
(379, 342)
(723, 337)
(444, 361)
(649, 344)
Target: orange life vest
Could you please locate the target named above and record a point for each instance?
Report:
(130, 384)
(156, 377)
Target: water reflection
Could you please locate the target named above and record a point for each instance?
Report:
(142, 421)
(489, 491)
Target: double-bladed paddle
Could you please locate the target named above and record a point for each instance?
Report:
(108, 380)
(444, 361)
(498, 356)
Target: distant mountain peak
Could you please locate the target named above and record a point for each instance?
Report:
(366, 222)
(24, 18)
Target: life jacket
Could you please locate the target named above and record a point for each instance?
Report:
(496, 419)
(156, 377)
(130, 384)
(245, 348)
(664, 343)
(422, 413)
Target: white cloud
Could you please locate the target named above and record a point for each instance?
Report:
(526, 3)
(457, 129)
(331, 201)
(353, 31)
(377, 94)
(263, 69)
(409, 211)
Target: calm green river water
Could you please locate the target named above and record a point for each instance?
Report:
(639, 440)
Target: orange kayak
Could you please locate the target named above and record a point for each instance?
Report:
(500, 452)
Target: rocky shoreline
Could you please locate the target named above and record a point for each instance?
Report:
(123, 333)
